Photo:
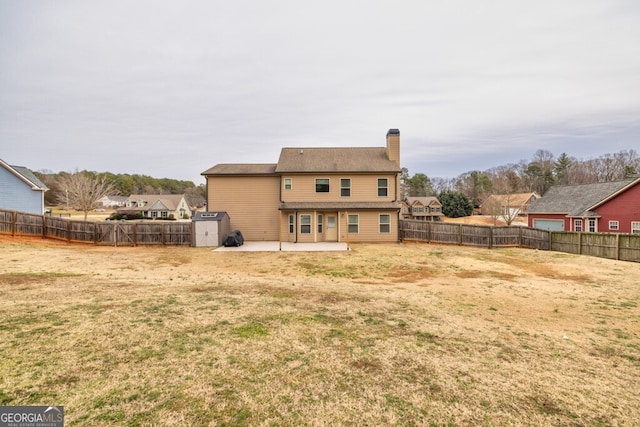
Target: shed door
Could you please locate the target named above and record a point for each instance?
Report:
(549, 224)
(206, 233)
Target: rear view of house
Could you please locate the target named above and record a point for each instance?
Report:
(313, 194)
(604, 207)
(427, 208)
(20, 189)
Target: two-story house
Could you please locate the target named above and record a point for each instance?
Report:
(426, 208)
(313, 194)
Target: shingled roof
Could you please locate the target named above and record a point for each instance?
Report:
(579, 200)
(339, 205)
(241, 169)
(328, 160)
(26, 175)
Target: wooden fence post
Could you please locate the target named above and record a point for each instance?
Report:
(490, 237)
(580, 243)
(14, 222)
(520, 238)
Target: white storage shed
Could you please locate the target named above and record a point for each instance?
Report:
(210, 228)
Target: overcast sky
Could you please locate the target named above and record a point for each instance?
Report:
(171, 88)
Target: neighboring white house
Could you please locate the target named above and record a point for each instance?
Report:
(20, 189)
(113, 201)
(158, 206)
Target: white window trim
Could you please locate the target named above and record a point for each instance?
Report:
(577, 223)
(378, 187)
(292, 223)
(341, 187)
(303, 224)
(284, 183)
(380, 223)
(635, 227)
(614, 225)
(357, 224)
(315, 185)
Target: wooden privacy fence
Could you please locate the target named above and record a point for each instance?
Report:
(474, 235)
(113, 233)
(624, 247)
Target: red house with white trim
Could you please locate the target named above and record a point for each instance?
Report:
(604, 207)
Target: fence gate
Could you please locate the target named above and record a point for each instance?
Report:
(114, 234)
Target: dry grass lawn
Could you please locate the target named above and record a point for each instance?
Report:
(410, 334)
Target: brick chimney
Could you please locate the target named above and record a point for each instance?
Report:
(393, 145)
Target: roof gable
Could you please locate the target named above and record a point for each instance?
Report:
(25, 175)
(332, 160)
(423, 200)
(156, 201)
(577, 200)
(512, 200)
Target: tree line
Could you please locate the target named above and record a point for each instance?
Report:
(107, 183)
(537, 175)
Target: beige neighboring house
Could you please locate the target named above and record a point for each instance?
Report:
(158, 206)
(508, 204)
(426, 208)
(313, 194)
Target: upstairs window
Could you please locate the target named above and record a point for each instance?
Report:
(383, 187)
(288, 184)
(322, 185)
(345, 187)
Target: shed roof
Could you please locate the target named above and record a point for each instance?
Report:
(328, 160)
(579, 200)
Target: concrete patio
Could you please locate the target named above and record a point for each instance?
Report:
(285, 247)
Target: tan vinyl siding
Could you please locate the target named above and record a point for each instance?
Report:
(363, 188)
(251, 202)
(368, 227)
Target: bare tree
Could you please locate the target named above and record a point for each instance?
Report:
(82, 191)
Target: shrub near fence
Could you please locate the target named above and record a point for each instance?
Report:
(115, 233)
